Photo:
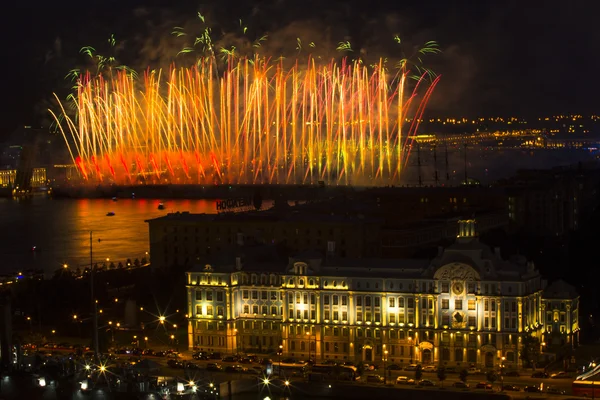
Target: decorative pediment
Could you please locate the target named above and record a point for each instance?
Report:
(456, 272)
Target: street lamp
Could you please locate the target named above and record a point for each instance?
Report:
(146, 341)
(385, 358)
(279, 353)
(502, 372)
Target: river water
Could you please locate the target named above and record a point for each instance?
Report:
(59, 229)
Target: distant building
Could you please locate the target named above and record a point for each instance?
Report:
(466, 306)
(381, 223)
(552, 202)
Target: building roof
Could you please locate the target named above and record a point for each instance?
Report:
(560, 289)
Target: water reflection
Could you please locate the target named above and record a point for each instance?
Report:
(59, 229)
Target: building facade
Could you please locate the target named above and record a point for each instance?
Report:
(465, 307)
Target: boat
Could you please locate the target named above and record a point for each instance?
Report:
(114, 199)
(110, 214)
(161, 206)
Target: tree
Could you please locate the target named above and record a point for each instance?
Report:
(530, 350)
(491, 376)
(464, 374)
(441, 374)
(418, 373)
(136, 262)
(144, 261)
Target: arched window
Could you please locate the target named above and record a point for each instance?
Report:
(302, 346)
(311, 282)
(291, 282)
(301, 282)
(334, 283)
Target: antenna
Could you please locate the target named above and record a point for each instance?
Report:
(466, 176)
(436, 178)
(447, 171)
(419, 163)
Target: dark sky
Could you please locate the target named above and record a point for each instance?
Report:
(524, 58)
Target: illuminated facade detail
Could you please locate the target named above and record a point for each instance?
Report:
(466, 306)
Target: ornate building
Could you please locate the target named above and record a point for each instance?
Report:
(466, 306)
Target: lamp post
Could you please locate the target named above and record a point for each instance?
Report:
(279, 353)
(502, 372)
(94, 304)
(385, 358)
(176, 337)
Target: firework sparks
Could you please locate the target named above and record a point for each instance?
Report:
(256, 122)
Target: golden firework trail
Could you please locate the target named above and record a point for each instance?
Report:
(255, 122)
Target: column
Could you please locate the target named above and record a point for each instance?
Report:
(417, 311)
(384, 307)
(479, 310)
(498, 314)
(191, 333)
(351, 310)
(520, 315)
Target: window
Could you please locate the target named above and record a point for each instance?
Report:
(245, 294)
(265, 310)
(254, 295)
(326, 299)
(344, 316)
(344, 300)
(368, 301)
(377, 302)
(392, 318)
(359, 301)
(486, 305)
(255, 309)
(472, 321)
(198, 295)
(198, 310)
(246, 309)
(336, 316)
(326, 315)
(219, 296)
(220, 310)
(401, 302)
(209, 310)
(458, 304)
(392, 302)
(445, 304)
(377, 317)
(335, 300)
(273, 310)
(445, 320)
(471, 305)
(445, 287)
(411, 302)
(359, 316)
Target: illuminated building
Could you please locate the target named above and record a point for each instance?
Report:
(466, 306)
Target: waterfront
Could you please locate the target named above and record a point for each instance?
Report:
(59, 229)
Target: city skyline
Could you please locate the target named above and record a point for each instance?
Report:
(494, 60)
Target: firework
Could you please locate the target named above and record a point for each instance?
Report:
(253, 122)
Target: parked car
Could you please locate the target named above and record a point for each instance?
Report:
(411, 367)
(483, 385)
(539, 374)
(532, 389)
(514, 374)
(430, 368)
(394, 367)
(426, 382)
(403, 380)
(554, 390)
(510, 388)
(560, 375)
(375, 378)
(461, 385)
(213, 367)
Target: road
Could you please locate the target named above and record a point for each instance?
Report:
(521, 382)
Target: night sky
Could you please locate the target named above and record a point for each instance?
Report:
(523, 58)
